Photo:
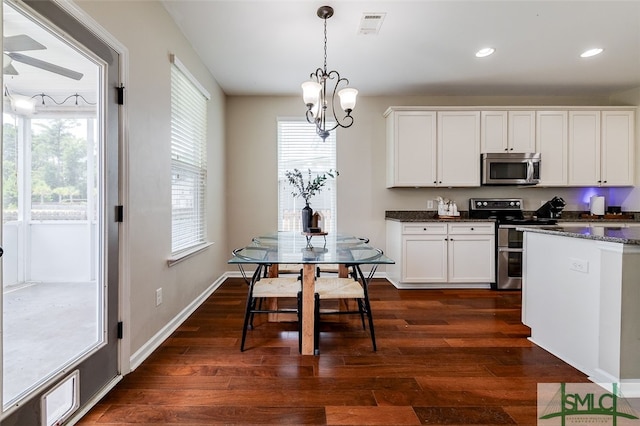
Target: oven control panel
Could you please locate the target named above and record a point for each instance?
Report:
(495, 204)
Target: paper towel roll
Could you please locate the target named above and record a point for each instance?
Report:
(596, 205)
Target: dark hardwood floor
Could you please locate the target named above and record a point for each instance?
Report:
(444, 357)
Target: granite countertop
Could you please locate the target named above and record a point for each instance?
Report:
(613, 234)
(427, 216)
(431, 216)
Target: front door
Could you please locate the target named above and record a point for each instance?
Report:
(59, 235)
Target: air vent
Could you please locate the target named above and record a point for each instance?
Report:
(370, 23)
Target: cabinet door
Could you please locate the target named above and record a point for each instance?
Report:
(458, 148)
(552, 143)
(522, 131)
(493, 131)
(584, 148)
(424, 259)
(617, 160)
(471, 258)
(411, 148)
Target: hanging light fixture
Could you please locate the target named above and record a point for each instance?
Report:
(314, 92)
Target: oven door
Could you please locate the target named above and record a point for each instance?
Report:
(509, 274)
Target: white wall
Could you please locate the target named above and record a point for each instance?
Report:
(362, 195)
(150, 36)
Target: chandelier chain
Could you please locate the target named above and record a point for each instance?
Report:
(325, 45)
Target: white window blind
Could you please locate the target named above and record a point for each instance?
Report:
(299, 147)
(188, 160)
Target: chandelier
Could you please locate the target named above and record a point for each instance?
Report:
(315, 95)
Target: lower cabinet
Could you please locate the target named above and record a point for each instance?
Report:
(436, 253)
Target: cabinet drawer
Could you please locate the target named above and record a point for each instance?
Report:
(472, 228)
(424, 228)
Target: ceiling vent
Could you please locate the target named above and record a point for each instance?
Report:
(370, 23)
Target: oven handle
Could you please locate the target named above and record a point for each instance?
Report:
(509, 249)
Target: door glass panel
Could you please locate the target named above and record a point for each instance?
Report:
(52, 275)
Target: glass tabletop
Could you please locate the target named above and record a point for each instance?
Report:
(289, 247)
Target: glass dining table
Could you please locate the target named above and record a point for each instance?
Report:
(310, 250)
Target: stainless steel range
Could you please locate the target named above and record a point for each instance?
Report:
(508, 213)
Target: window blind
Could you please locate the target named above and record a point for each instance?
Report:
(188, 161)
(299, 147)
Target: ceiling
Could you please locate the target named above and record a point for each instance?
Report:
(264, 47)
(31, 80)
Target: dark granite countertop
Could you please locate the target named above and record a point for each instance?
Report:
(431, 216)
(427, 216)
(613, 234)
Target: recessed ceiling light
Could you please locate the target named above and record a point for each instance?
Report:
(591, 52)
(485, 52)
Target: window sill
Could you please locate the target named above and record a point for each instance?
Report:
(185, 254)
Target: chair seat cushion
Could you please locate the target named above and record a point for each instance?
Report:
(338, 288)
(277, 287)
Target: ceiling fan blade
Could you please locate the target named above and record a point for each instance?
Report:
(9, 70)
(20, 43)
(47, 66)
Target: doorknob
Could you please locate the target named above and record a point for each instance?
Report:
(1, 252)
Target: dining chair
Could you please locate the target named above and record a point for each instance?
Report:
(262, 287)
(343, 289)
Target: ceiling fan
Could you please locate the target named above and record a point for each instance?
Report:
(22, 42)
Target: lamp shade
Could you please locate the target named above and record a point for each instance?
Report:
(23, 104)
(348, 98)
(311, 92)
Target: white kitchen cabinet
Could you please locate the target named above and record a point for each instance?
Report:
(411, 148)
(471, 252)
(493, 128)
(552, 144)
(601, 148)
(617, 152)
(437, 254)
(458, 148)
(433, 148)
(508, 131)
(522, 128)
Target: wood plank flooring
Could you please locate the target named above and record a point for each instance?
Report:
(444, 357)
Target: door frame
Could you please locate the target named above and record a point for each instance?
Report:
(80, 17)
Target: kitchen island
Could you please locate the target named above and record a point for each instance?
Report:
(581, 299)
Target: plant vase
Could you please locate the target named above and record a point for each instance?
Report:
(307, 215)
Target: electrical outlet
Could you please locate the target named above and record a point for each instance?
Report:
(429, 204)
(159, 296)
(579, 265)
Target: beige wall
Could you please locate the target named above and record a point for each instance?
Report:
(149, 34)
(362, 195)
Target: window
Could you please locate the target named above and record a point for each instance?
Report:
(188, 159)
(299, 147)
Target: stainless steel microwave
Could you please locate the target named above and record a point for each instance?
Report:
(510, 168)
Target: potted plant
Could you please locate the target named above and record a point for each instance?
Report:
(307, 189)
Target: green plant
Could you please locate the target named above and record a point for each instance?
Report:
(312, 186)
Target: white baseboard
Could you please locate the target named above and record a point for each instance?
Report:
(93, 401)
(152, 344)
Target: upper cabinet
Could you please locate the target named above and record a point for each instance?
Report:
(508, 131)
(617, 152)
(458, 148)
(429, 148)
(411, 148)
(552, 144)
(441, 146)
(601, 148)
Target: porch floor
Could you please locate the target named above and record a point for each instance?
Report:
(45, 327)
